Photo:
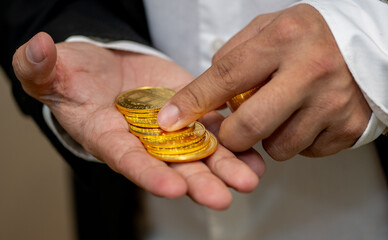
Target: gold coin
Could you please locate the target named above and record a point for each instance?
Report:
(196, 155)
(145, 98)
(126, 111)
(144, 125)
(200, 144)
(237, 100)
(147, 113)
(197, 131)
(150, 120)
(143, 122)
(178, 144)
(140, 131)
(143, 115)
(143, 131)
(184, 141)
(184, 134)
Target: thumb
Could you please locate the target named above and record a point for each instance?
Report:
(34, 65)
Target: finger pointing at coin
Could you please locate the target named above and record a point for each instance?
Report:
(306, 100)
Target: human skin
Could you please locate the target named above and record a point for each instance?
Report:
(308, 102)
(79, 83)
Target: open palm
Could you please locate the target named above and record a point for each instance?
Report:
(79, 83)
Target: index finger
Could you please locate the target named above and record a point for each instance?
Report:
(243, 68)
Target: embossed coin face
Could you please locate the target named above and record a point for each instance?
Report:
(146, 98)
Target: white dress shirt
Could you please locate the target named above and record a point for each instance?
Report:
(343, 196)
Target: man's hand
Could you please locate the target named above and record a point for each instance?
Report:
(79, 83)
(308, 102)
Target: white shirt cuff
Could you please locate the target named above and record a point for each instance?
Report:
(374, 129)
(123, 45)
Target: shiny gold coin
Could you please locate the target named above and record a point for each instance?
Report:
(237, 100)
(145, 98)
(149, 112)
(143, 122)
(178, 144)
(196, 155)
(139, 131)
(127, 111)
(143, 132)
(184, 134)
(200, 144)
(150, 120)
(197, 131)
(174, 143)
(143, 115)
(143, 125)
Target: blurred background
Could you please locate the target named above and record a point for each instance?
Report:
(35, 193)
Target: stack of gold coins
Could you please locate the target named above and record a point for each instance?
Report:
(141, 106)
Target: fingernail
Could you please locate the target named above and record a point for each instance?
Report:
(168, 116)
(34, 51)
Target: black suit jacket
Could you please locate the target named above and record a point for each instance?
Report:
(101, 194)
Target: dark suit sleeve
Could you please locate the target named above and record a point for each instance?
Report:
(382, 149)
(106, 203)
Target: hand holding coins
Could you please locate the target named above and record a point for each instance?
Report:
(141, 106)
(83, 107)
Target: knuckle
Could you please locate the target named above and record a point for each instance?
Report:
(335, 106)
(329, 142)
(224, 73)
(275, 151)
(193, 99)
(261, 21)
(351, 134)
(252, 125)
(217, 56)
(323, 63)
(289, 28)
(338, 110)
(196, 100)
(283, 146)
(313, 151)
(260, 18)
